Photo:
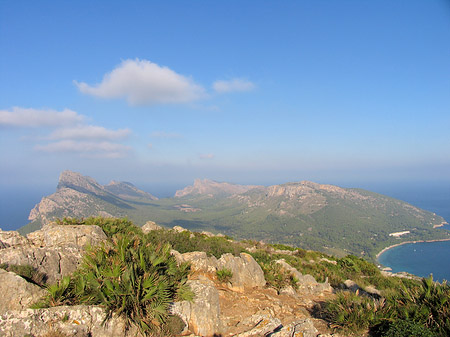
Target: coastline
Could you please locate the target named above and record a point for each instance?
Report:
(404, 243)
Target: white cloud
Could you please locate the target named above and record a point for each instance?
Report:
(86, 148)
(143, 82)
(207, 156)
(165, 135)
(89, 132)
(22, 117)
(235, 84)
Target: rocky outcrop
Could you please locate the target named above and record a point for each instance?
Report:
(246, 271)
(79, 321)
(81, 196)
(67, 236)
(202, 315)
(16, 292)
(54, 250)
(200, 262)
(10, 239)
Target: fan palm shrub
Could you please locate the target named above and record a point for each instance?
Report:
(131, 278)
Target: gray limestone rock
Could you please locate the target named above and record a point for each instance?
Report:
(64, 235)
(200, 262)
(53, 262)
(246, 271)
(79, 321)
(53, 250)
(16, 292)
(202, 315)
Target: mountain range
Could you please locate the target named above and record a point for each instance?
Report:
(305, 214)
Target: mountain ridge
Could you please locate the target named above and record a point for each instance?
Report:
(315, 216)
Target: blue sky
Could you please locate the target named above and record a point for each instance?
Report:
(342, 92)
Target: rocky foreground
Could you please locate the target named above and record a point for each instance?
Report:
(243, 306)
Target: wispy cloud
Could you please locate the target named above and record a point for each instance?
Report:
(68, 132)
(87, 148)
(89, 132)
(142, 82)
(233, 85)
(23, 117)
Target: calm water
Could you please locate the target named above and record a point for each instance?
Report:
(421, 259)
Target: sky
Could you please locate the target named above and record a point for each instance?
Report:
(159, 93)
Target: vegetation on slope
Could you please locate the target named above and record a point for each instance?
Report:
(311, 216)
(134, 275)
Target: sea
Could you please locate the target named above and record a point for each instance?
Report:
(421, 259)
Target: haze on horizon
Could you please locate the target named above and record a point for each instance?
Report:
(161, 93)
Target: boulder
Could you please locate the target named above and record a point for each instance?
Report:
(150, 226)
(16, 292)
(246, 271)
(79, 321)
(202, 315)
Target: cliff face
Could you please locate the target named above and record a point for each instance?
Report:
(81, 196)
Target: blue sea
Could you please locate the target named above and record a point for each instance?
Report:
(421, 259)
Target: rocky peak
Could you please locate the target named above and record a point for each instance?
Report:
(76, 181)
(305, 187)
(212, 188)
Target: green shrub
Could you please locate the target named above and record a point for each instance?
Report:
(185, 242)
(111, 226)
(401, 328)
(424, 305)
(354, 313)
(276, 277)
(224, 275)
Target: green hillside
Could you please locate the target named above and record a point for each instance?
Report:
(305, 214)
